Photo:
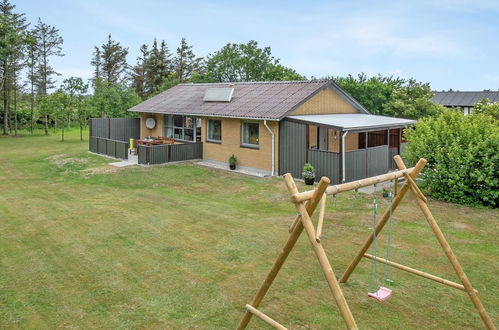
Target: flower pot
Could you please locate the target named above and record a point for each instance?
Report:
(385, 194)
(232, 166)
(309, 181)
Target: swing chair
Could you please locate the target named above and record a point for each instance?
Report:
(306, 203)
(383, 293)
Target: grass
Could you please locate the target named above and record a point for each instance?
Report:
(86, 245)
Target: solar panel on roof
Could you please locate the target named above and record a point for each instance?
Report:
(218, 94)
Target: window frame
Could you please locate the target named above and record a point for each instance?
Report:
(249, 145)
(169, 124)
(208, 124)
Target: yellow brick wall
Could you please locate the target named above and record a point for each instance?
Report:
(326, 101)
(231, 144)
(157, 130)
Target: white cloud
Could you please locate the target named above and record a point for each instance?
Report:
(393, 33)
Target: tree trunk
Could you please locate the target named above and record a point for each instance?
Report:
(81, 132)
(32, 102)
(15, 110)
(46, 124)
(5, 102)
(62, 133)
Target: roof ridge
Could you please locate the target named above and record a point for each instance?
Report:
(258, 82)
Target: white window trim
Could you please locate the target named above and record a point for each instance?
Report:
(250, 145)
(208, 130)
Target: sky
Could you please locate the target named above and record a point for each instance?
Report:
(448, 43)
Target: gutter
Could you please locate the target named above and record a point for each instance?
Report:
(343, 156)
(273, 145)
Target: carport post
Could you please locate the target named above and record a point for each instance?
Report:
(343, 134)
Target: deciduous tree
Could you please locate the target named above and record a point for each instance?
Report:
(246, 62)
(49, 44)
(77, 91)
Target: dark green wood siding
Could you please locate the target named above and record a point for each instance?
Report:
(326, 164)
(292, 148)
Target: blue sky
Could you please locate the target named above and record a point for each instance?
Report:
(449, 43)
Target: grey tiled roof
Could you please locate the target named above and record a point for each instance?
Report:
(256, 100)
(467, 99)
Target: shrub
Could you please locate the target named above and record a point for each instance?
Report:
(232, 160)
(308, 171)
(462, 155)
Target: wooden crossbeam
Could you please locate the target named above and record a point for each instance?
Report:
(417, 272)
(336, 189)
(265, 318)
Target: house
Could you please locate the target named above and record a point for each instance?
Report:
(275, 127)
(463, 100)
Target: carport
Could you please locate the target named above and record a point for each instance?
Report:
(344, 147)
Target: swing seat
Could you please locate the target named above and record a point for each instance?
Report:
(381, 295)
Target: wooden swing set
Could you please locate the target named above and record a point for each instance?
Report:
(306, 203)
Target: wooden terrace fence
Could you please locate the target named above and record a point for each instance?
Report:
(166, 153)
(113, 148)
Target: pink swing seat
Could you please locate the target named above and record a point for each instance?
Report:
(381, 295)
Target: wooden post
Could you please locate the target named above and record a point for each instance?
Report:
(326, 267)
(320, 221)
(451, 256)
(265, 318)
(293, 237)
(396, 200)
(417, 272)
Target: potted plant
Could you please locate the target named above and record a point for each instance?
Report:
(232, 162)
(308, 174)
(385, 192)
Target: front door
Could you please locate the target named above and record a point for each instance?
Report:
(322, 138)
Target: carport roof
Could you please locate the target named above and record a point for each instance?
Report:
(353, 121)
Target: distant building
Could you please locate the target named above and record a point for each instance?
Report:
(463, 100)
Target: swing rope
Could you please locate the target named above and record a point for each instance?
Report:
(387, 269)
(373, 276)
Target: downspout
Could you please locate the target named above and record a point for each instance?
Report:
(343, 179)
(273, 145)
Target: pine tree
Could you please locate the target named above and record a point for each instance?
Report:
(158, 66)
(110, 62)
(49, 44)
(139, 73)
(32, 73)
(185, 62)
(96, 63)
(12, 38)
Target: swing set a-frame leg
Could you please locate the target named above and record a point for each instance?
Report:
(305, 211)
(450, 255)
(293, 237)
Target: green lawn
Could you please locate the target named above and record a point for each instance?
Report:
(86, 245)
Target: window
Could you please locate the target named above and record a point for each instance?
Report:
(249, 135)
(182, 127)
(214, 130)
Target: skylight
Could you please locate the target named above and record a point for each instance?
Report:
(218, 94)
